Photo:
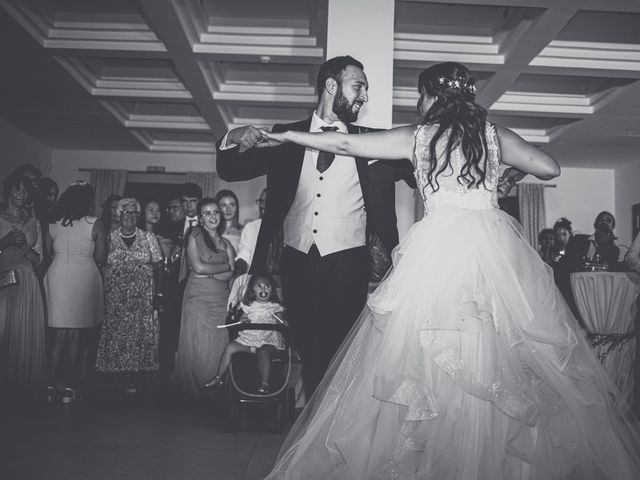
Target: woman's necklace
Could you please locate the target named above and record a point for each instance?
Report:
(127, 236)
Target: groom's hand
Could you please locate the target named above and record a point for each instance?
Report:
(245, 137)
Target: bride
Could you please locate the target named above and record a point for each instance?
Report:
(466, 362)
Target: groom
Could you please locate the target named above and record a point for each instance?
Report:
(325, 208)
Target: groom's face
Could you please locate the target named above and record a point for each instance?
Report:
(351, 94)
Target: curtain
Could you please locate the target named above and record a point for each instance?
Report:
(106, 182)
(208, 181)
(533, 214)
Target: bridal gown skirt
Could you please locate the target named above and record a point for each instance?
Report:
(466, 364)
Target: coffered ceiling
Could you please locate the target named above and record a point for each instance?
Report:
(174, 75)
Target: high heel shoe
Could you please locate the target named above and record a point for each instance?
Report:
(213, 383)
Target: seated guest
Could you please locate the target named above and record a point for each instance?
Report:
(230, 207)
(563, 233)
(73, 285)
(546, 240)
(128, 346)
(597, 247)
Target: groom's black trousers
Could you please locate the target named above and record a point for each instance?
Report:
(323, 296)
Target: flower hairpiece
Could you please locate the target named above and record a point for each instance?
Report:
(459, 83)
(79, 183)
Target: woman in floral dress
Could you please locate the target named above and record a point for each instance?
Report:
(129, 341)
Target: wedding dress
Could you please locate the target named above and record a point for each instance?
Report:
(466, 363)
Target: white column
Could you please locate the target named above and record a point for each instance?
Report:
(364, 29)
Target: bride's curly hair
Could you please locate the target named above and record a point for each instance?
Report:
(455, 112)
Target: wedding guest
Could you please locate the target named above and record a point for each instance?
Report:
(128, 344)
(171, 290)
(109, 215)
(230, 206)
(210, 259)
(45, 197)
(598, 247)
(563, 233)
(633, 257)
(249, 237)
(150, 222)
(546, 241)
(22, 324)
(73, 285)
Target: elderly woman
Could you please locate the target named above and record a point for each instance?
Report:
(128, 344)
(22, 326)
(230, 207)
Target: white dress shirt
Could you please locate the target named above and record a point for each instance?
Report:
(328, 209)
(248, 240)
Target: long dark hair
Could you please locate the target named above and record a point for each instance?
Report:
(206, 236)
(228, 193)
(105, 216)
(455, 112)
(74, 203)
(250, 297)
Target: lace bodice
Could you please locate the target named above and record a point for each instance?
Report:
(451, 192)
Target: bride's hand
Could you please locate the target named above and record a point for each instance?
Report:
(270, 139)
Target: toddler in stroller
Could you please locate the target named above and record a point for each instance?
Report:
(260, 305)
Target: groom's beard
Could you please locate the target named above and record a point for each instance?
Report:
(343, 109)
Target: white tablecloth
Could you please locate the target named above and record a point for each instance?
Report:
(607, 304)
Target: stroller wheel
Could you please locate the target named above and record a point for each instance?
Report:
(235, 414)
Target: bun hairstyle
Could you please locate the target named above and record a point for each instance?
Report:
(565, 223)
(459, 120)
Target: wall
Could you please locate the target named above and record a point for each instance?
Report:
(66, 165)
(18, 148)
(579, 194)
(627, 194)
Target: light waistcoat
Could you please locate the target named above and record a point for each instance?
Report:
(328, 208)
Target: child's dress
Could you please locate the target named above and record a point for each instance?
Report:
(259, 312)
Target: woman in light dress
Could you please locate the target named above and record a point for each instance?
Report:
(466, 363)
(73, 286)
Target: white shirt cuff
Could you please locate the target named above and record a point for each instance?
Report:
(223, 144)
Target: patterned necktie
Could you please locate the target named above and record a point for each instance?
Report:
(325, 159)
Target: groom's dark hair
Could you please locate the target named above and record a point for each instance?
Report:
(334, 68)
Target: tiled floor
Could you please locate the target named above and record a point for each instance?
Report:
(133, 441)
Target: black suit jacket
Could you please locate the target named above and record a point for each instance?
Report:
(282, 166)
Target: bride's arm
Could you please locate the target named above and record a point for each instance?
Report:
(520, 154)
(394, 144)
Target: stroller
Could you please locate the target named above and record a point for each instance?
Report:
(243, 380)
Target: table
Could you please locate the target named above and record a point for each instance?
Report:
(607, 304)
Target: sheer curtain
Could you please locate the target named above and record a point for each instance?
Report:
(208, 181)
(106, 182)
(533, 213)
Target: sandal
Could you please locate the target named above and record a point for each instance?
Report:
(213, 383)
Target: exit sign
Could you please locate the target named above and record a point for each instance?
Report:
(155, 168)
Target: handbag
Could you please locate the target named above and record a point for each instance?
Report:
(8, 278)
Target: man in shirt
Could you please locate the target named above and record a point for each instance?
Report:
(249, 237)
(324, 208)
